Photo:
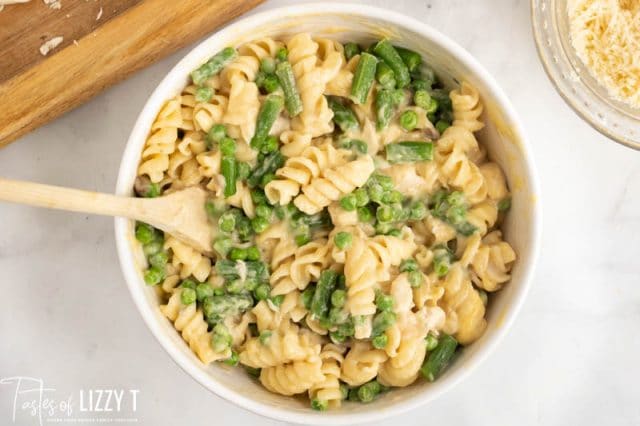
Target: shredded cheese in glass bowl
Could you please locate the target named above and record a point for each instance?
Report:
(590, 50)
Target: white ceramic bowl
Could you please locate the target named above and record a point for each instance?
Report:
(503, 137)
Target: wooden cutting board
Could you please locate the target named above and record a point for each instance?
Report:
(104, 41)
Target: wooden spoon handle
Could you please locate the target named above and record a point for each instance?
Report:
(55, 197)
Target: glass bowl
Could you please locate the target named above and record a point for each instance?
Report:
(572, 79)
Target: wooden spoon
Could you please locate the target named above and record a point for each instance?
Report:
(181, 213)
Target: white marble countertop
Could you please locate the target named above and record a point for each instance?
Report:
(571, 358)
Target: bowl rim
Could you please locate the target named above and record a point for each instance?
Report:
(573, 103)
(130, 159)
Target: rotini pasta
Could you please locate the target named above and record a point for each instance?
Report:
(356, 226)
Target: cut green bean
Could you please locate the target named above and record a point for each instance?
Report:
(213, 66)
(292, 100)
(343, 116)
(504, 204)
(269, 112)
(270, 163)
(356, 145)
(410, 58)
(385, 50)
(322, 295)
(442, 125)
(351, 50)
(385, 75)
(432, 342)
(439, 358)
(338, 298)
(363, 78)
(229, 171)
(383, 108)
(405, 152)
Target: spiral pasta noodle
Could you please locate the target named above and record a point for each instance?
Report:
(356, 227)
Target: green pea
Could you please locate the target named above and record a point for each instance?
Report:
(504, 204)
(154, 191)
(342, 240)
(433, 106)
(262, 292)
(394, 233)
(416, 278)
(154, 275)
(338, 298)
(319, 404)
(268, 177)
(233, 360)
(152, 248)
(384, 302)
(384, 213)
(189, 283)
(376, 192)
(227, 222)
(409, 120)
(277, 300)
(244, 170)
(384, 181)
(349, 202)
(245, 231)
(338, 316)
(383, 228)
(188, 296)
(250, 284)
(237, 253)
(362, 198)
(258, 197)
(216, 134)
(325, 323)
(263, 210)
(265, 336)
(259, 224)
(281, 54)
(203, 291)
(364, 214)
(271, 83)
(346, 329)
(382, 321)
(235, 286)
(228, 147)
(145, 233)
(270, 144)
(380, 342)
(267, 65)
(159, 259)
(302, 239)
(253, 253)
(221, 339)
(344, 391)
(368, 391)
(204, 94)
(409, 265)
(432, 342)
(392, 196)
(417, 211)
(341, 281)
(422, 99)
(456, 198)
(441, 126)
(337, 338)
(222, 245)
(353, 395)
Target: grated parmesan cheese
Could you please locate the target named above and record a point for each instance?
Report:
(606, 37)
(49, 45)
